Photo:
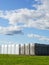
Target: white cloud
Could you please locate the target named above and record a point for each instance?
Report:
(11, 30)
(30, 18)
(43, 38)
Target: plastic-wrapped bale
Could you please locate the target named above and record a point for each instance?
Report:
(2, 49)
(27, 50)
(32, 49)
(16, 51)
(22, 49)
(10, 49)
(5, 49)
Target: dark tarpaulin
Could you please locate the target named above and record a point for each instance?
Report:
(41, 49)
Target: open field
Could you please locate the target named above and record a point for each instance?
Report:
(23, 60)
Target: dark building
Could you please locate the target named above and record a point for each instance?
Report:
(41, 49)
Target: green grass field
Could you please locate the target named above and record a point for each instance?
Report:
(23, 60)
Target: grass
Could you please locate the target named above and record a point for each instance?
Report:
(23, 60)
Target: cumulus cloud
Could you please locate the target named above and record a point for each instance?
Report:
(11, 30)
(43, 38)
(38, 18)
(30, 18)
(14, 32)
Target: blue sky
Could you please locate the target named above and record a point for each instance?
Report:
(24, 21)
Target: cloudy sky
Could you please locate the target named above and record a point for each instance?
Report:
(24, 21)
